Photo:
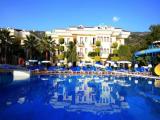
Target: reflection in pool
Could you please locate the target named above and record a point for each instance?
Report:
(89, 95)
(81, 97)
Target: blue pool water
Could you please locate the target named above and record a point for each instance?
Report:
(58, 97)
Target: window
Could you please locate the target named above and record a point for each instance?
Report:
(101, 38)
(105, 39)
(85, 50)
(93, 98)
(98, 37)
(108, 50)
(100, 100)
(85, 39)
(94, 39)
(68, 39)
(103, 100)
(80, 98)
(85, 98)
(107, 89)
(81, 50)
(103, 88)
(110, 39)
(81, 40)
(105, 50)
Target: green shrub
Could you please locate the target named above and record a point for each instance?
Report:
(61, 57)
(61, 40)
(92, 54)
(61, 48)
(97, 50)
(98, 43)
(114, 45)
(114, 58)
(97, 58)
(115, 51)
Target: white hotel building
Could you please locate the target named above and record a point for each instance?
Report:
(22, 34)
(86, 38)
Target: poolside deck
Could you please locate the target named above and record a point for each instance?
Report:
(114, 73)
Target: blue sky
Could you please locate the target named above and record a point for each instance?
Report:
(132, 15)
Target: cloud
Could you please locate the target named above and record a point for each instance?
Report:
(115, 19)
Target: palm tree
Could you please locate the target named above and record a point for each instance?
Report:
(6, 41)
(71, 53)
(47, 46)
(17, 50)
(31, 45)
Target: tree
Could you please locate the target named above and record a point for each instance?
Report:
(114, 45)
(98, 43)
(115, 58)
(124, 52)
(141, 61)
(71, 53)
(17, 50)
(97, 50)
(155, 33)
(97, 58)
(30, 44)
(61, 41)
(61, 48)
(61, 56)
(92, 54)
(137, 41)
(47, 46)
(115, 52)
(140, 41)
(5, 45)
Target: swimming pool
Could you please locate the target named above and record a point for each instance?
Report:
(65, 97)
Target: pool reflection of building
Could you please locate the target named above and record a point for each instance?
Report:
(88, 96)
(83, 94)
